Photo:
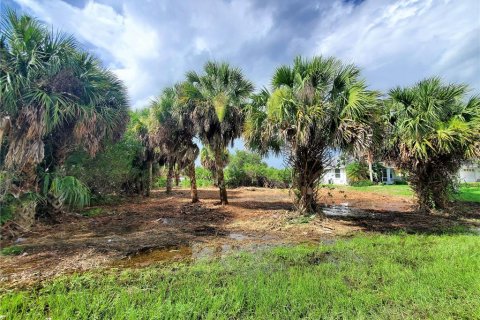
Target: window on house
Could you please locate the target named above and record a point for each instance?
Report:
(337, 173)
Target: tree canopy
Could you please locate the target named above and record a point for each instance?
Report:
(432, 128)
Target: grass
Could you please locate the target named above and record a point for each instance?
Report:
(468, 192)
(368, 277)
(92, 212)
(12, 251)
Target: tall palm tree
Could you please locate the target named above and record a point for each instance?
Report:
(432, 129)
(53, 96)
(172, 132)
(140, 125)
(317, 105)
(218, 98)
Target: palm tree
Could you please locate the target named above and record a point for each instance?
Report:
(432, 129)
(207, 160)
(217, 98)
(186, 161)
(172, 132)
(140, 125)
(53, 97)
(316, 106)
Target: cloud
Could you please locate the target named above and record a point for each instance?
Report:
(151, 44)
(401, 42)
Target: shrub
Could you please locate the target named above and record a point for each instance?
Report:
(160, 182)
(362, 183)
(357, 171)
(248, 169)
(110, 170)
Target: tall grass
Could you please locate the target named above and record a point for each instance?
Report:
(368, 277)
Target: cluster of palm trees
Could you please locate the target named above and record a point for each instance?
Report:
(54, 98)
(320, 106)
(209, 106)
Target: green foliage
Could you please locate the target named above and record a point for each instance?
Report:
(68, 190)
(201, 183)
(357, 171)
(203, 177)
(12, 251)
(202, 173)
(7, 210)
(216, 101)
(366, 277)
(317, 105)
(433, 127)
(92, 212)
(469, 192)
(248, 169)
(207, 160)
(160, 182)
(362, 183)
(111, 170)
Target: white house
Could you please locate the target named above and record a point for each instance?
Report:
(469, 172)
(338, 175)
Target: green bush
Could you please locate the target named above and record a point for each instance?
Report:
(202, 173)
(357, 171)
(160, 182)
(362, 183)
(248, 169)
(111, 170)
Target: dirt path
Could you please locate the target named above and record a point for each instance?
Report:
(140, 231)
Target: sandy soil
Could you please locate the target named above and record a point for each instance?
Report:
(142, 231)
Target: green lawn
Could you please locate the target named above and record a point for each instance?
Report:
(468, 192)
(367, 277)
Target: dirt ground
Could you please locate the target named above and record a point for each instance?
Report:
(143, 231)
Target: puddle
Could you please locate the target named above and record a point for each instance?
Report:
(207, 231)
(233, 242)
(344, 210)
(202, 252)
(155, 255)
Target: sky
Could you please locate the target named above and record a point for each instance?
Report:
(151, 44)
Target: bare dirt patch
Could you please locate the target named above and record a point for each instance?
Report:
(142, 231)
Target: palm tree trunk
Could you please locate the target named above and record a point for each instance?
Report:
(149, 178)
(370, 166)
(220, 177)
(25, 214)
(370, 170)
(177, 176)
(193, 182)
(170, 177)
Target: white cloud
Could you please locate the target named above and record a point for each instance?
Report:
(147, 46)
(399, 43)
